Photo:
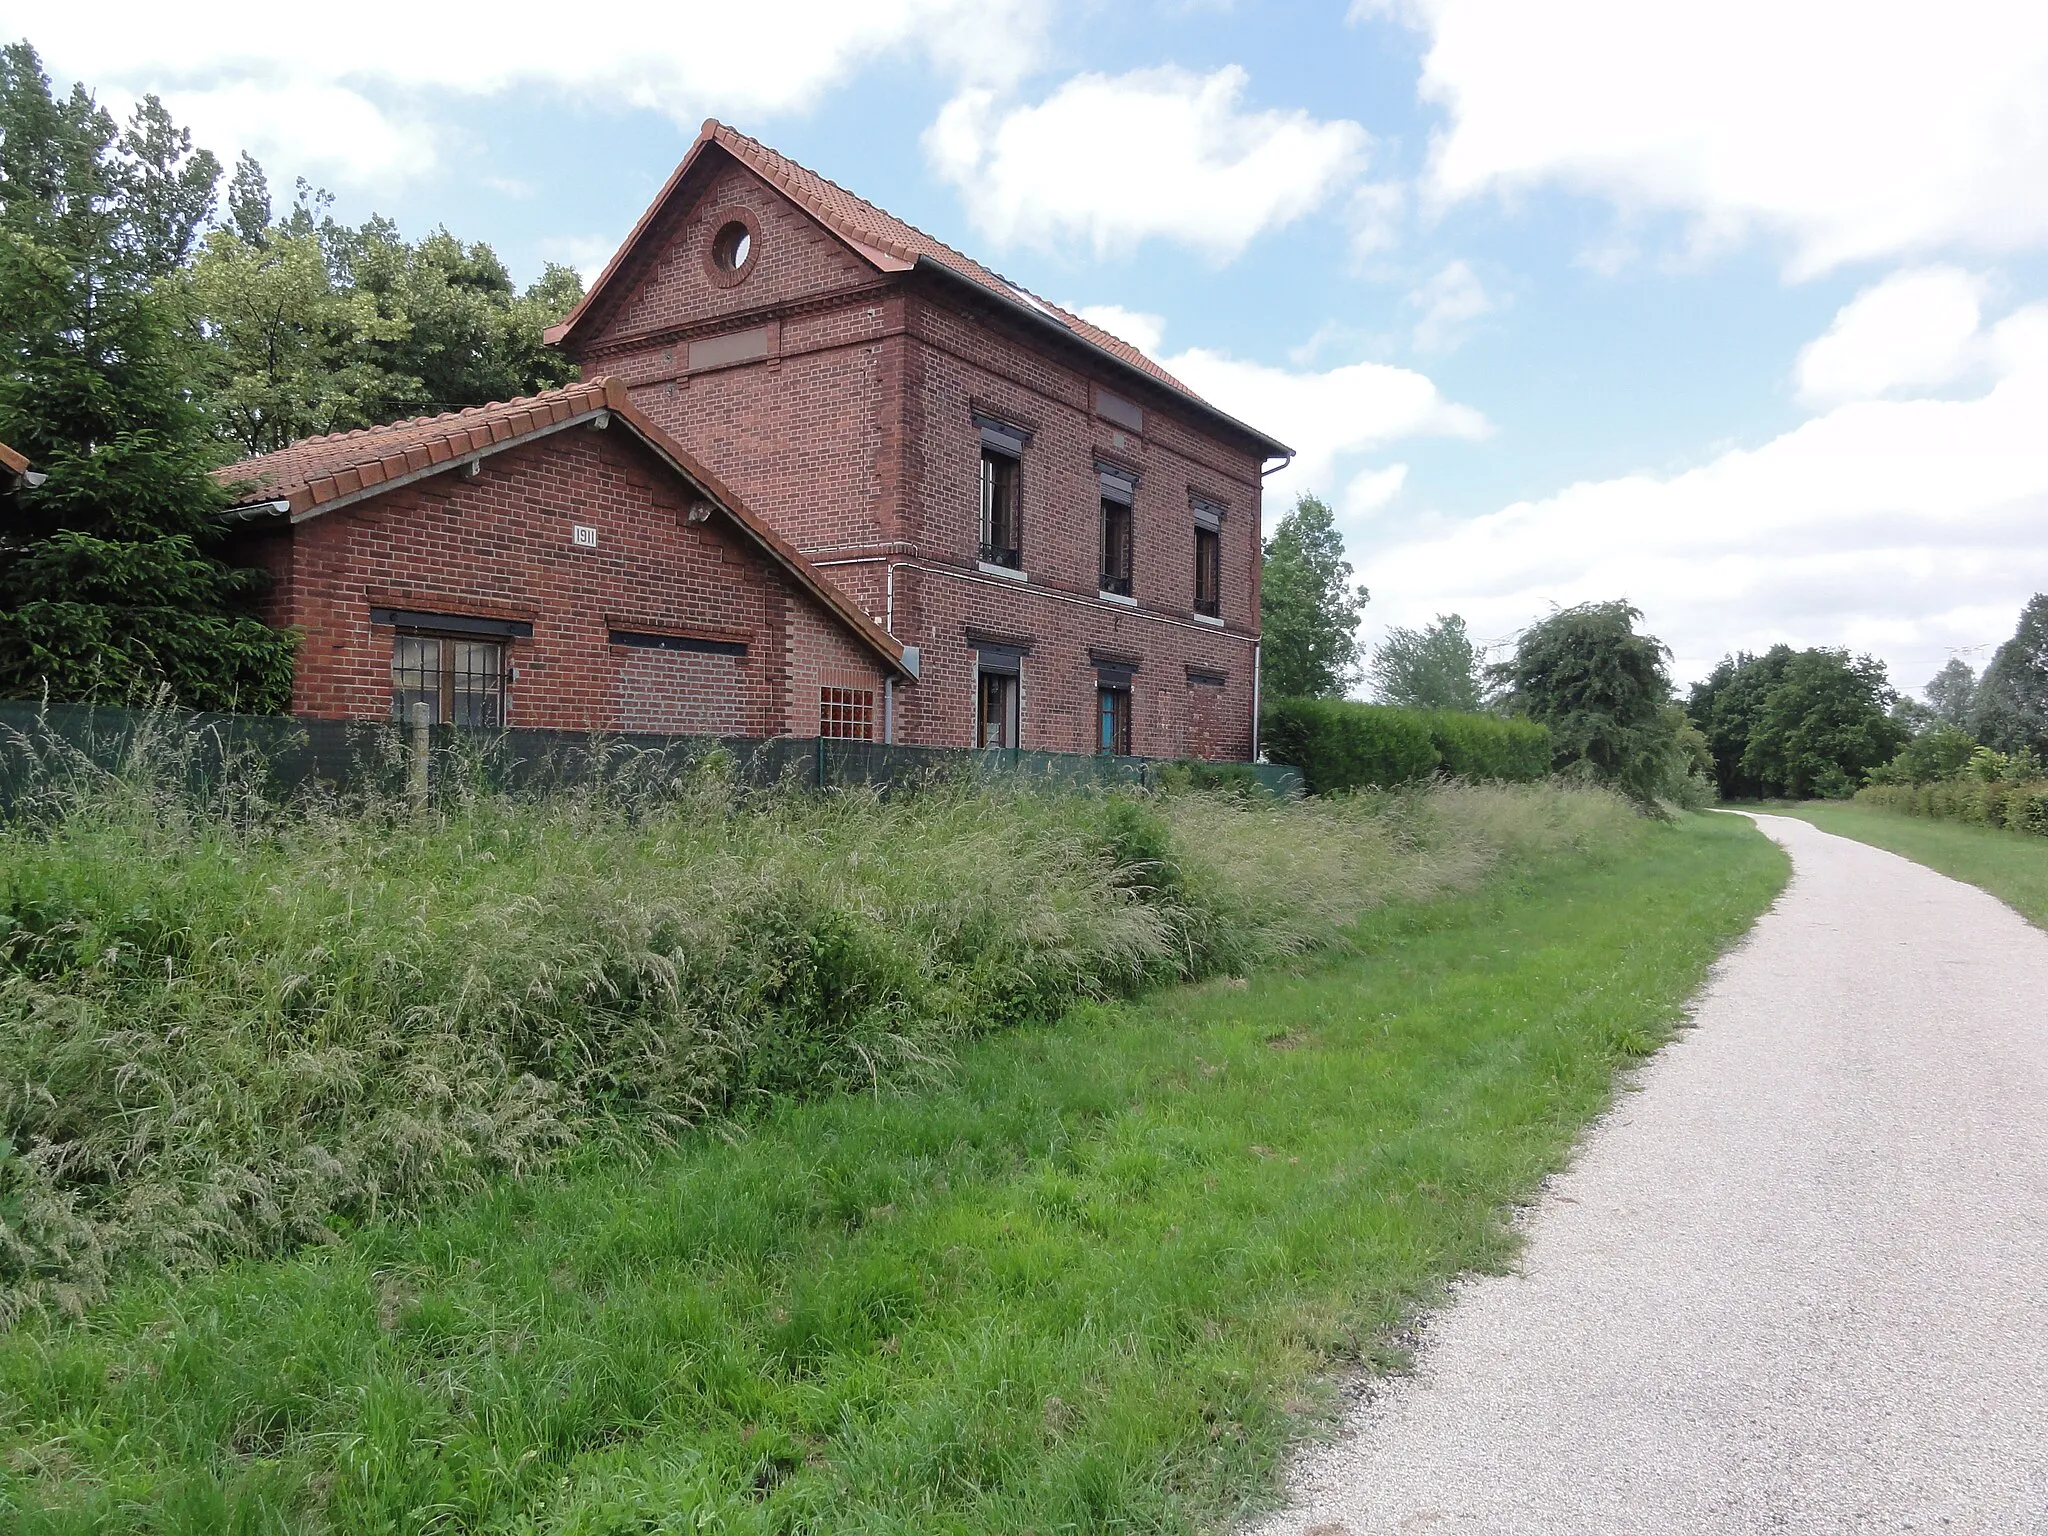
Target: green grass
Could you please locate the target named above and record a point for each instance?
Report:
(1097, 1280)
(2013, 866)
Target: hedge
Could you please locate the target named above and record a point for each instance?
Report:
(1341, 745)
(2015, 807)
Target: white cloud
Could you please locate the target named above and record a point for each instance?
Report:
(347, 98)
(1110, 161)
(1370, 490)
(1327, 416)
(329, 131)
(1914, 329)
(588, 254)
(1449, 302)
(1859, 128)
(1141, 330)
(1908, 528)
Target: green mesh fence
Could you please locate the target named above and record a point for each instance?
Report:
(282, 757)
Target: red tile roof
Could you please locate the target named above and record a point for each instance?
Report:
(883, 239)
(317, 474)
(317, 470)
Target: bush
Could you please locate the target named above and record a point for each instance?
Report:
(1973, 801)
(1340, 745)
(228, 1027)
(1481, 747)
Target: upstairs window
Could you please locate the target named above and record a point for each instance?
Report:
(1119, 490)
(1209, 573)
(1001, 543)
(1116, 547)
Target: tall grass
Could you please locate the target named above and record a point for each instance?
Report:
(228, 1027)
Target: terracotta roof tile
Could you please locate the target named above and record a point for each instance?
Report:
(315, 471)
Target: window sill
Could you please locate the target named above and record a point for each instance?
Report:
(1203, 618)
(1118, 598)
(1007, 572)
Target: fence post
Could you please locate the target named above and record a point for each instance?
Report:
(416, 766)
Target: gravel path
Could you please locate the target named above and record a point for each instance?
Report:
(1797, 1283)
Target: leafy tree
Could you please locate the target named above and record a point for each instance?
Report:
(108, 581)
(1308, 609)
(1950, 693)
(1605, 693)
(2010, 710)
(1435, 667)
(1822, 725)
(305, 325)
(1796, 723)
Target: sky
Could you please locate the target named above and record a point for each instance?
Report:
(1737, 311)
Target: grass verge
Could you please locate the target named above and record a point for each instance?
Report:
(1090, 1282)
(2013, 866)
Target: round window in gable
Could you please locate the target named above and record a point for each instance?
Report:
(732, 246)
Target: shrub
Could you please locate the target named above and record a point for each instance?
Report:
(1341, 745)
(1971, 800)
(1482, 747)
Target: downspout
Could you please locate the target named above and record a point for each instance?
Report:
(1256, 646)
(1259, 646)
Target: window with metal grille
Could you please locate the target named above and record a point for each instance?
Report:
(1000, 541)
(1208, 572)
(1113, 714)
(462, 682)
(1116, 547)
(847, 714)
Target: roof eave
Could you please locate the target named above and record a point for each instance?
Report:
(1274, 448)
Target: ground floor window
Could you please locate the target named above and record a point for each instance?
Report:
(462, 682)
(996, 710)
(847, 714)
(1113, 712)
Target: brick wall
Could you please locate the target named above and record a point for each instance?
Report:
(854, 436)
(500, 545)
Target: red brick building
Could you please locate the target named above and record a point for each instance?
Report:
(1067, 535)
(557, 561)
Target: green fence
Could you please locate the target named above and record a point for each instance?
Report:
(285, 756)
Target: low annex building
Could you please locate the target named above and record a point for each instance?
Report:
(557, 561)
(1068, 534)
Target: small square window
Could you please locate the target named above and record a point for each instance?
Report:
(847, 714)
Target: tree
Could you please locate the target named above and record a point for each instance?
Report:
(1604, 692)
(1822, 725)
(305, 325)
(108, 583)
(1796, 723)
(2010, 710)
(1951, 691)
(1308, 609)
(1435, 667)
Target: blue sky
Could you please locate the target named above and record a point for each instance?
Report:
(1740, 311)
